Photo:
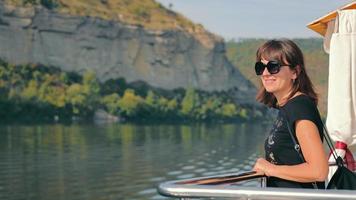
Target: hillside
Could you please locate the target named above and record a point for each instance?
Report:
(146, 13)
(242, 55)
(134, 40)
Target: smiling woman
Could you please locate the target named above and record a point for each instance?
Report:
(294, 157)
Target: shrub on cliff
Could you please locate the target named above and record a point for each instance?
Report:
(50, 4)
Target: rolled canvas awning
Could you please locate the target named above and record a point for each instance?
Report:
(339, 31)
(341, 114)
(320, 25)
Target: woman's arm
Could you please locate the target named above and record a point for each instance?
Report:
(315, 167)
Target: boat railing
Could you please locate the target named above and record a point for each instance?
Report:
(232, 186)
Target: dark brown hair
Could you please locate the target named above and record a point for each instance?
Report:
(285, 51)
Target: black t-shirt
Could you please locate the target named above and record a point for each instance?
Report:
(279, 146)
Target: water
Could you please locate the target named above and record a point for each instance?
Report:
(118, 161)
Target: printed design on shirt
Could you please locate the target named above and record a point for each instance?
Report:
(271, 158)
(278, 123)
(272, 139)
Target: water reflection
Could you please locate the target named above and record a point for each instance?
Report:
(118, 161)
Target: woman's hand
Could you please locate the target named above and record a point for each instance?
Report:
(263, 166)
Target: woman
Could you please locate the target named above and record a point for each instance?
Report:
(287, 87)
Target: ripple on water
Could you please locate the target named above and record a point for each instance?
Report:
(218, 168)
(226, 163)
(158, 197)
(156, 179)
(148, 191)
(223, 171)
(247, 168)
(254, 183)
(200, 163)
(246, 161)
(234, 170)
(210, 173)
(180, 164)
(253, 155)
(252, 163)
(184, 176)
(189, 167)
(174, 173)
(211, 166)
(200, 170)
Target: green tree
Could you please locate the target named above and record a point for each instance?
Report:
(90, 83)
(31, 91)
(243, 113)
(76, 97)
(190, 102)
(163, 104)
(111, 103)
(56, 96)
(91, 89)
(229, 110)
(151, 99)
(130, 103)
(172, 105)
(209, 108)
(151, 105)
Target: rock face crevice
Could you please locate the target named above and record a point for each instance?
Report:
(166, 59)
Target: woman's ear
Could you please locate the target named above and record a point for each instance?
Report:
(296, 72)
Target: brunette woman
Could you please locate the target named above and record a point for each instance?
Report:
(287, 87)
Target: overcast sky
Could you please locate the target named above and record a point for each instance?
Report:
(256, 18)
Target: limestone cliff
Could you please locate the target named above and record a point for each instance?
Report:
(168, 59)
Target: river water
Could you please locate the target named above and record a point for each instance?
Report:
(119, 161)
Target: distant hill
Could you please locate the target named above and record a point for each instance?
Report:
(144, 12)
(147, 13)
(138, 40)
(242, 55)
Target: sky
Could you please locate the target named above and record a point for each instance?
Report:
(235, 19)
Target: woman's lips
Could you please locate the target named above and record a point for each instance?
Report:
(269, 81)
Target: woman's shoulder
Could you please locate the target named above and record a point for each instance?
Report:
(302, 107)
(302, 100)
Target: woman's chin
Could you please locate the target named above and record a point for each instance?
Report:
(270, 90)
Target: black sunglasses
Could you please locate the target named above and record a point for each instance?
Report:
(273, 67)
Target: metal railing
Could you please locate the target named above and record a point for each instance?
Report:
(226, 186)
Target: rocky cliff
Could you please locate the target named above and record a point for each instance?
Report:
(163, 58)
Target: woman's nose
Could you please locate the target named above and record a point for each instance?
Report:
(265, 72)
